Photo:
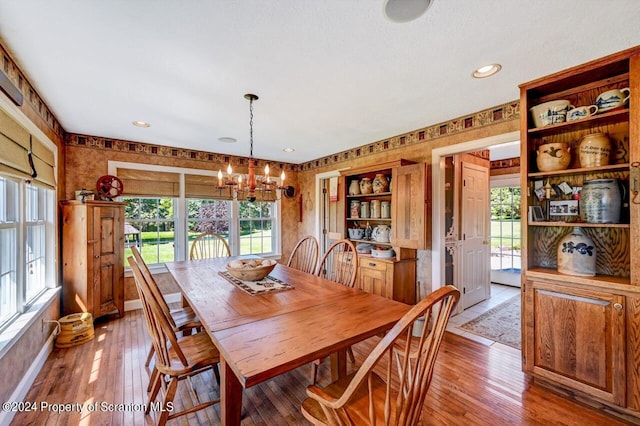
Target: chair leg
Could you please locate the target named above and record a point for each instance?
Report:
(168, 397)
(152, 378)
(154, 388)
(149, 356)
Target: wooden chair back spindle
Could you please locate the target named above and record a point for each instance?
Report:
(209, 245)
(339, 263)
(304, 256)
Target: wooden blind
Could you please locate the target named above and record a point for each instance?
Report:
(15, 144)
(206, 187)
(43, 163)
(144, 183)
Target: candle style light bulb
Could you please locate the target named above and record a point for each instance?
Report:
(266, 170)
(240, 182)
(219, 177)
(229, 170)
(282, 176)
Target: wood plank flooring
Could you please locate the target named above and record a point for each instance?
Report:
(473, 385)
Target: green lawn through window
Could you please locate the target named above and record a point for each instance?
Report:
(163, 252)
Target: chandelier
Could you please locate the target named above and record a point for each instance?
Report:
(254, 186)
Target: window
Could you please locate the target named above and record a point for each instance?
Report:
(26, 264)
(39, 213)
(151, 221)
(207, 216)
(256, 226)
(164, 225)
(8, 244)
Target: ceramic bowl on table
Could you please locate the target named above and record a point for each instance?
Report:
(551, 112)
(251, 269)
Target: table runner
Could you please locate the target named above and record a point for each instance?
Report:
(268, 284)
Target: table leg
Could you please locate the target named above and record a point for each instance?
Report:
(338, 364)
(230, 395)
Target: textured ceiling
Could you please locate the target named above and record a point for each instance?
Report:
(331, 75)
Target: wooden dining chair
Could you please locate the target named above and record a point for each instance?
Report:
(304, 255)
(181, 319)
(209, 245)
(339, 263)
(369, 397)
(177, 358)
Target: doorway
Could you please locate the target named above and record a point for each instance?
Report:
(506, 242)
(441, 241)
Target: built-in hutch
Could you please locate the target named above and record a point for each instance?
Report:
(581, 333)
(393, 207)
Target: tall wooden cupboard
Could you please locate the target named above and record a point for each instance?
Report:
(405, 197)
(581, 334)
(92, 257)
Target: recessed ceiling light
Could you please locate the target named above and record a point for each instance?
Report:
(486, 71)
(401, 11)
(141, 124)
(288, 150)
(227, 140)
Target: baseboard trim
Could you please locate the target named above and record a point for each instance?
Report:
(132, 305)
(27, 381)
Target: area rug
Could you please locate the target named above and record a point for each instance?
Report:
(500, 324)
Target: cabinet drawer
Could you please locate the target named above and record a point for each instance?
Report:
(373, 264)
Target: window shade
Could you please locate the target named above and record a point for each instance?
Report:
(15, 143)
(144, 183)
(43, 162)
(206, 187)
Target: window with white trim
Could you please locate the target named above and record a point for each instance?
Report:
(165, 233)
(26, 245)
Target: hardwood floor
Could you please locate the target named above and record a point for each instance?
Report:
(473, 385)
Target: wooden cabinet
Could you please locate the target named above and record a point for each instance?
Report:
(404, 214)
(580, 332)
(393, 279)
(579, 338)
(409, 212)
(92, 256)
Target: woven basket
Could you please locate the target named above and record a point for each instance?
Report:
(75, 329)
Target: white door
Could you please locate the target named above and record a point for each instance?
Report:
(475, 234)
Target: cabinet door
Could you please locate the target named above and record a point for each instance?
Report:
(576, 337)
(408, 218)
(107, 261)
(373, 278)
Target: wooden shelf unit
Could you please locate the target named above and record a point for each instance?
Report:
(581, 333)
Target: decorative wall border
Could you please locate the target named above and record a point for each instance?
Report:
(506, 163)
(506, 112)
(109, 144)
(31, 96)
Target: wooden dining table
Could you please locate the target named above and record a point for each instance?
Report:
(264, 335)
